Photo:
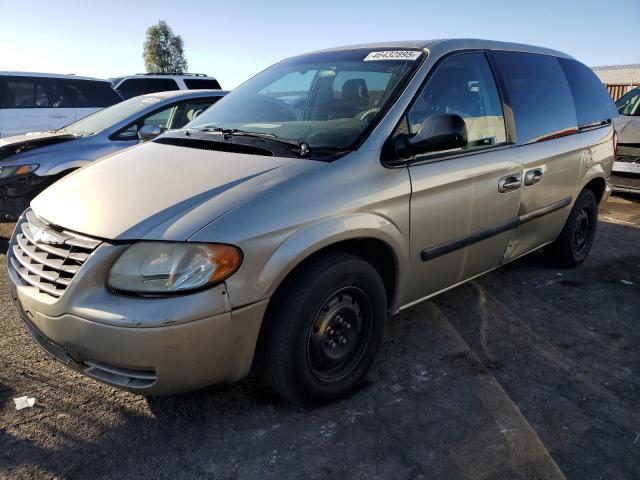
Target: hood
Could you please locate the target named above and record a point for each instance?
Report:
(29, 141)
(628, 129)
(160, 192)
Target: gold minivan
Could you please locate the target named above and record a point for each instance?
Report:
(281, 227)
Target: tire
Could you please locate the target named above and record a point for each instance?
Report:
(574, 243)
(324, 329)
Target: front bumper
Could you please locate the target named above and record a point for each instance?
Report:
(151, 346)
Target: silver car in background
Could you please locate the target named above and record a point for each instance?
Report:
(280, 228)
(29, 163)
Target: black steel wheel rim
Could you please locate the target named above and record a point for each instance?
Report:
(339, 334)
(583, 231)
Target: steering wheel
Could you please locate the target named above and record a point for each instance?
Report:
(367, 115)
(273, 110)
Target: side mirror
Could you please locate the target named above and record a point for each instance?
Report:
(149, 132)
(443, 131)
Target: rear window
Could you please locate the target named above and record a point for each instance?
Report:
(133, 87)
(593, 103)
(195, 83)
(539, 94)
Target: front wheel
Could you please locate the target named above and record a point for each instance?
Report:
(574, 242)
(324, 329)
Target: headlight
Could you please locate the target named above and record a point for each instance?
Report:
(11, 170)
(168, 267)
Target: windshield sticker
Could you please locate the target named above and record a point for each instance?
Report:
(393, 55)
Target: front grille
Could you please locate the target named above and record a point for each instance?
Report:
(48, 258)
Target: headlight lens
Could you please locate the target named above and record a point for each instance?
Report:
(168, 267)
(11, 170)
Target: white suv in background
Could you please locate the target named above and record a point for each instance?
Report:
(42, 101)
(143, 83)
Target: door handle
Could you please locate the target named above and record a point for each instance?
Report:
(509, 183)
(533, 176)
(58, 115)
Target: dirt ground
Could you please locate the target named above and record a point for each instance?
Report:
(526, 373)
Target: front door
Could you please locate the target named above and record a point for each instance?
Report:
(464, 203)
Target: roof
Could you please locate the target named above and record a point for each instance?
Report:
(448, 45)
(619, 74)
(186, 93)
(199, 76)
(50, 75)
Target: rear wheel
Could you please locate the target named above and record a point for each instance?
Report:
(324, 329)
(574, 242)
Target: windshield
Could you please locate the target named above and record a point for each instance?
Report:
(108, 117)
(629, 104)
(326, 99)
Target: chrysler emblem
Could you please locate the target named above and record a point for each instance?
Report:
(41, 235)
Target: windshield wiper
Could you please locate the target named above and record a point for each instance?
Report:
(299, 146)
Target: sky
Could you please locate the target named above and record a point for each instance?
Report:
(233, 40)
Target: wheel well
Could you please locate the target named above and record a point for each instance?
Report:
(597, 186)
(375, 252)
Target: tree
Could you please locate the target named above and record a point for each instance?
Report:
(163, 51)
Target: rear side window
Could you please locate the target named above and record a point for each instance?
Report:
(539, 95)
(194, 83)
(84, 93)
(132, 88)
(27, 92)
(139, 86)
(593, 103)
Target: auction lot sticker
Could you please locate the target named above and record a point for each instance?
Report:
(393, 55)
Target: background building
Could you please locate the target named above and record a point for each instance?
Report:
(619, 79)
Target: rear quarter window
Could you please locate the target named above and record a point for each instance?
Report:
(133, 87)
(593, 103)
(538, 93)
(195, 83)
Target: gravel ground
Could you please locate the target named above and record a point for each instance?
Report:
(525, 373)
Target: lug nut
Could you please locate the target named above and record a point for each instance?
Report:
(343, 340)
(334, 344)
(348, 325)
(339, 320)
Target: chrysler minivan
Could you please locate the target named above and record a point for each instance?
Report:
(280, 228)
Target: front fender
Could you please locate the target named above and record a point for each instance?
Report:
(311, 238)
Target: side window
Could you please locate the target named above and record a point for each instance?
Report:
(539, 94)
(95, 94)
(27, 92)
(463, 85)
(187, 111)
(70, 94)
(593, 102)
(629, 104)
(132, 87)
(160, 85)
(161, 118)
(194, 83)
